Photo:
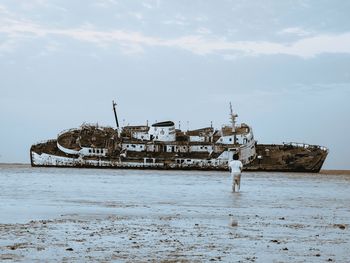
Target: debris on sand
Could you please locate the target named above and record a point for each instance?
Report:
(340, 226)
(233, 222)
(16, 246)
(275, 241)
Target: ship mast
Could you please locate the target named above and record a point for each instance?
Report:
(233, 117)
(115, 114)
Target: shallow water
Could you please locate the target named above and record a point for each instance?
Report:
(135, 215)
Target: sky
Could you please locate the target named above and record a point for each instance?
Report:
(284, 65)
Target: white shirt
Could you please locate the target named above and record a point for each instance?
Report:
(235, 166)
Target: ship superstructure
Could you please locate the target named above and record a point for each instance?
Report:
(160, 145)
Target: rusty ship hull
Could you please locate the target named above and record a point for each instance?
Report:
(288, 157)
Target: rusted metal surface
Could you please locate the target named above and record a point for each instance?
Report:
(288, 158)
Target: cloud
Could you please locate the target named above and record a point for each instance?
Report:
(178, 20)
(104, 3)
(203, 31)
(201, 44)
(152, 4)
(297, 31)
(321, 87)
(136, 15)
(29, 5)
(7, 46)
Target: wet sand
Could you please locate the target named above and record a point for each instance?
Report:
(72, 215)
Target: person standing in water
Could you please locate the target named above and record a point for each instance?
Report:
(235, 167)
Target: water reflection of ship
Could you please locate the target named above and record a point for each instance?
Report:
(162, 146)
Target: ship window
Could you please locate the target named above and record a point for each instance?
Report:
(206, 147)
(230, 139)
(201, 147)
(188, 160)
(90, 151)
(97, 151)
(141, 146)
(93, 150)
(133, 145)
(127, 146)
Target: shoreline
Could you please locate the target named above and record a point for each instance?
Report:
(323, 171)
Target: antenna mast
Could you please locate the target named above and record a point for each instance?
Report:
(233, 117)
(115, 114)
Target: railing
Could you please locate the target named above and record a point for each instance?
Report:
(45, 141)
(66, 150)
(305, 145)
(95, 125)
(65, 131)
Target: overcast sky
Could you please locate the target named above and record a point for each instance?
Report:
(284, 65)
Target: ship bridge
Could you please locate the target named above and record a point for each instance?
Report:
(163, 131)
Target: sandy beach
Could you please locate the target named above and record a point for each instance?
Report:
(72, 215)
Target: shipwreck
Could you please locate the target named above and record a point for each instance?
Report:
(162, 146)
